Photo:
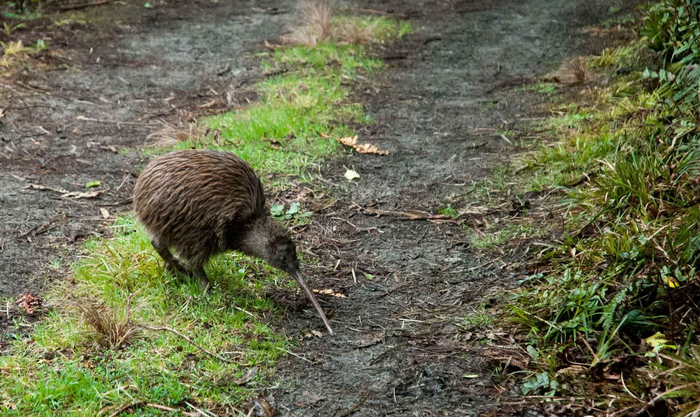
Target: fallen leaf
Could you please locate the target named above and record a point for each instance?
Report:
(671, 282)
(247, 377)
(370, 339)
(92, 184)
(77, 196)
(573, 370)
(316, 333)
(656, 340)
(29, 302)
(361, 147)
(105, 213)
(351, 174)
(265, 407)
(206, 105)
(45, 188)
(109, 148)
(330, 292)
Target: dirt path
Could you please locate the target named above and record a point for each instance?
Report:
(402, 347)
(111, 84)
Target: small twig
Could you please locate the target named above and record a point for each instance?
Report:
(386, 352)
(172, 410)
(202, 412)
(595, 357)
(422, 236)
(125, 408)
(121, 202)
(392, 290)
(168, 329)
(622, 378)
(295, 355)
(353, 409)
(246, 311)
(88, 119)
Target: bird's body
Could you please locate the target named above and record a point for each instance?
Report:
(200, 203)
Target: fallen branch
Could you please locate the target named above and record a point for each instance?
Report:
(76, 195)
(192, 342)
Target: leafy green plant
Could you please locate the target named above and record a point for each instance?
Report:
(293, 212)
(629, 175)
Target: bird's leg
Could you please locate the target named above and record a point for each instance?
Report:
(171, 264)
(203, 280)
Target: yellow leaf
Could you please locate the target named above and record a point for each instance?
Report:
(671, 282)
(656, 340)
(351, 174)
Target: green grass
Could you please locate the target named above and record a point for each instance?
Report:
(478, 318)
(66, 367)
(448, 210)
(82, 377)
(501, 235)
(302, 112)
(626, 265)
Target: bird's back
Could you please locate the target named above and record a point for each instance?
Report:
(186, 195)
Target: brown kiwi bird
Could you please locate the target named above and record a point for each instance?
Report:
(200, 202)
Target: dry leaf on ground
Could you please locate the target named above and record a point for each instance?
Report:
(351, 174)
(330, 292)
(361, 147)
(29, 302)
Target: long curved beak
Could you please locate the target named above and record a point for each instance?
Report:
(300, 280)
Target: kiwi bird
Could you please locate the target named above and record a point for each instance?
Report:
(199, 203)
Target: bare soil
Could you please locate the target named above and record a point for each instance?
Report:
(442, 109)
(408, 275)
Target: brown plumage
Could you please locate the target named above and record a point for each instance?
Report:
(199, 203)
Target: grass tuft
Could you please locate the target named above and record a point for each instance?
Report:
(111, 330)
(621, 284)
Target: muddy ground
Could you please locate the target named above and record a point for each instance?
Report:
(441, 108)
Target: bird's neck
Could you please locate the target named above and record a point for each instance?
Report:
(256, 239)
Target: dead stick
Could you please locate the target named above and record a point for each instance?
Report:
(125, 408)
(172, 410)
(353, 409)
(295, 355)
(168, 329)
(595, 357)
